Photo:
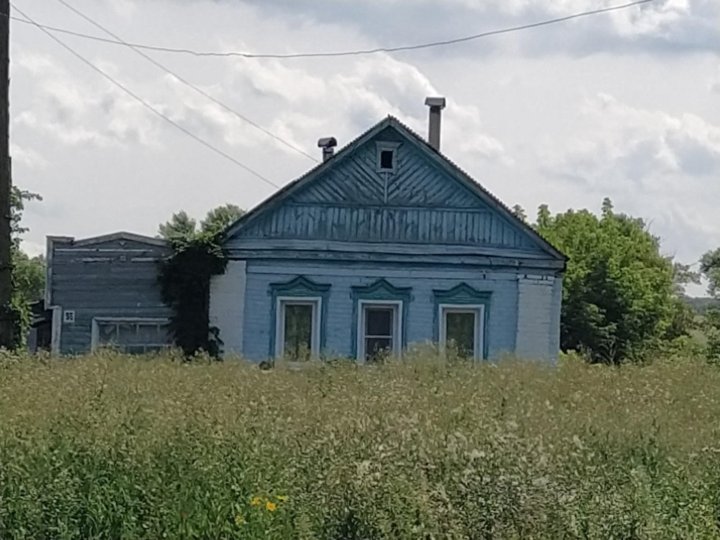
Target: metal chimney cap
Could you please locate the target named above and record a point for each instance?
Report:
(327, 142)
(439, 102)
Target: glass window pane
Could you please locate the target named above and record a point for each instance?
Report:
(375, 347)
(133, 337)
(152, 333)
(107, 333)
(298, 331)
(460, 332)
(127, 332)
(379, 321)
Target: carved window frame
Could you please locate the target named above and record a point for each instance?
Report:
(459, 298)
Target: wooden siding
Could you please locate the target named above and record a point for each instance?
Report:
(421, 316)
(418, 204)
(390, 224)
(107, 279)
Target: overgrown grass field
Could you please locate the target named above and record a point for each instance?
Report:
(117, 447)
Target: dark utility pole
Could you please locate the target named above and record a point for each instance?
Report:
(6, 319)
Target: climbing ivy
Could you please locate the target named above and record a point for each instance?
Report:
(185, 276)
(185, 285)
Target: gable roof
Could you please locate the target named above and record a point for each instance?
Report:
(121, 236)
(436, 157)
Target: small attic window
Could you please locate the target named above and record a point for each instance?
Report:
(387, 157)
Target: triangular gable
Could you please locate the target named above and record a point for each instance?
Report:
(427, 180)
(120, 240)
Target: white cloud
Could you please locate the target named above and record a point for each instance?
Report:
(353, 97)
(77, 112)
(653, 163)
(660, 25)
(715, 83)
(633, 145)
(27, 157)
(515, 118)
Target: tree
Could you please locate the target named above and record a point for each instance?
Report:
(28, 274)
(180, 227)
(185, 276)
(710, 268)
(519, 212)
(220, 218)
(619, 297)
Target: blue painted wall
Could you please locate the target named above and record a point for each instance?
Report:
(421, 322)
(116, 278)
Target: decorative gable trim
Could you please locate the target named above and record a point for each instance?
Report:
(121, 236)
(435, 157)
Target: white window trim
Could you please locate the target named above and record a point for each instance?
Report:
(282, 301)
(397, 306)
(95, 332)
(478, 310)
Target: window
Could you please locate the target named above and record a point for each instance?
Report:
(131, 336)
(387, 156)
(298, 328)
(379, 329)
(461, 327)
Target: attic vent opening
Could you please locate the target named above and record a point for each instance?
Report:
(387, 158)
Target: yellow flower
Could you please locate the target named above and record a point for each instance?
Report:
(240, 520)
(256, 501)
(270, 506)
(282, 498)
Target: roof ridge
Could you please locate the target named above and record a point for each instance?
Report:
(121, 235)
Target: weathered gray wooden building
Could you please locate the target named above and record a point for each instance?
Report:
(384, 244)
(105, 291)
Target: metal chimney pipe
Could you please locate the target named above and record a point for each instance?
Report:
(436, 104)
(328, 145)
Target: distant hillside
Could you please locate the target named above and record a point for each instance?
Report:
(702, 304)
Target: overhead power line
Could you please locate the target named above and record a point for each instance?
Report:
(330, 54)
(188, 83)
(145, 104)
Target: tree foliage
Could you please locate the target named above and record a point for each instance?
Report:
(28, 273)
(185, 276)
(181, 227)
(220, 218)
(620, 296)
(710, 269)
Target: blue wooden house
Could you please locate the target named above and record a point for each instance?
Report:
(385, 244)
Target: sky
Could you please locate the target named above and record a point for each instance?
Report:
(623, 105)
